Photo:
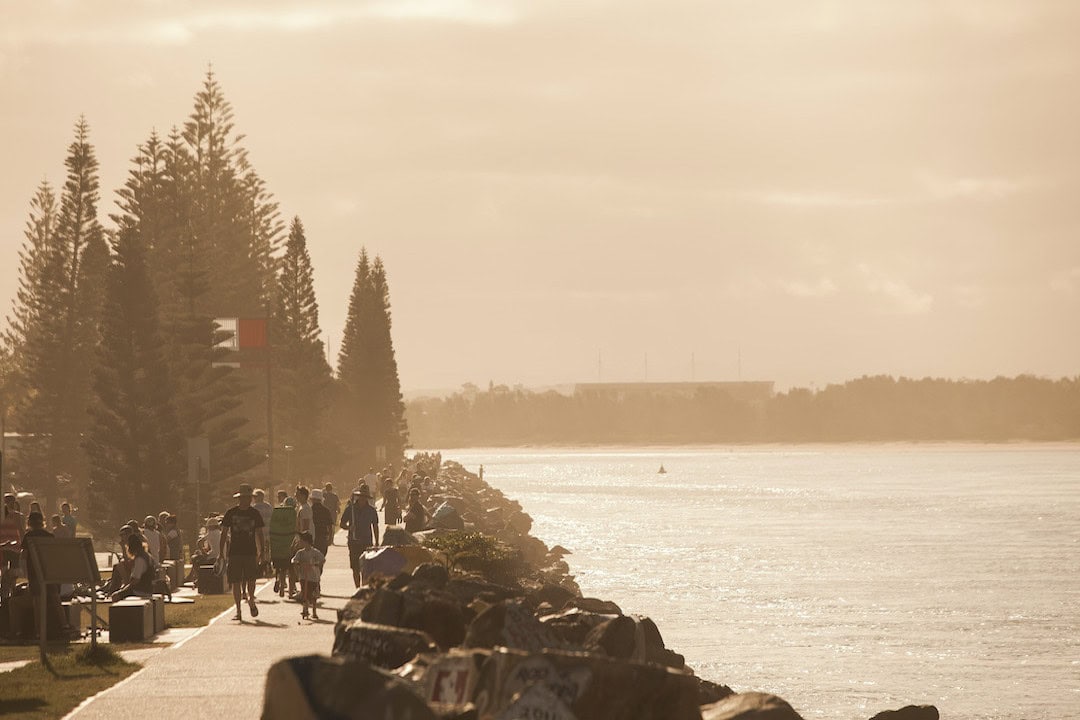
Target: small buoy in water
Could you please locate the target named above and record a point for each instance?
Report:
(661, 471)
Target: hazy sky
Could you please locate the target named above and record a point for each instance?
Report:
(836, 188)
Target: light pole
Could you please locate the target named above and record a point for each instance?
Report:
(288, 465)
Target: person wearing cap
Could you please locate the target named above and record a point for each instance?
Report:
(241, 532)
(322, 522)
(362, 522)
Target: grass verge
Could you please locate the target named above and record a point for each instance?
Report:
(11, 653)
(32, 692)
(203, 610)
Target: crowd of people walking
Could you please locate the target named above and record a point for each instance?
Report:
(253, 539)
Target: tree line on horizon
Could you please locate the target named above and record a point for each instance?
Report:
(113, 356)
(868, 409)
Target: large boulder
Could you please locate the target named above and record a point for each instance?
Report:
(430, 611)
(709, 692)
(431, 574)
(447, 517)
(909, 712)
(467, 588)
(380, 645)
(554, 595)
(313, 687)
(510, 624)
(447, 681)
(582, 687)
(632, 637)
(750, 706)
(573, 626)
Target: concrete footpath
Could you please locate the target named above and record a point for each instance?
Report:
(221, 670)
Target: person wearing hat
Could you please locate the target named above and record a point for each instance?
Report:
(362, 522)
(241, 533)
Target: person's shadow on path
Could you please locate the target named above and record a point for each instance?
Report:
(263, 624)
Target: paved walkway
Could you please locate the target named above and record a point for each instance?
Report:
(221, 671)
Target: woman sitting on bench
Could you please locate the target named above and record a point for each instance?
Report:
(143, 571)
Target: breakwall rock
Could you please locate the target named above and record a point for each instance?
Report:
(496, 628)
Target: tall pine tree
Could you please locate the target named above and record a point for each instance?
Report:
(302, 375)
(57, 322)
(135, 444)
(158, 204)
(371, 411)
(393, 431)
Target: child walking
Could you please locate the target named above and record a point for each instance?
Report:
(309, 562)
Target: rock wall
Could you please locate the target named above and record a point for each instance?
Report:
(500, 631)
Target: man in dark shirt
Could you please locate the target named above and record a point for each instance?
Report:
(333, 504)
(241, 531)
(36, 522)
(362, 522)
(322, 520)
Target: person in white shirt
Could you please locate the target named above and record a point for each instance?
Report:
(303, 510)
(309, 563)
(153, 537)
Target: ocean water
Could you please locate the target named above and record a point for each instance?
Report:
(847, 579)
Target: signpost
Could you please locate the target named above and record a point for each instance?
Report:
(63, 560)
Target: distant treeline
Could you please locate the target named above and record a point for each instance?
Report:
(878, 408)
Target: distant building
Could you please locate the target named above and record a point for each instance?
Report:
(752, 393)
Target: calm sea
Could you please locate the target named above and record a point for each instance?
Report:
(847, 579)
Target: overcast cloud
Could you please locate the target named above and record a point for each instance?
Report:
(831, 188)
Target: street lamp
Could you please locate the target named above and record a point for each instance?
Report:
(288, 465)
